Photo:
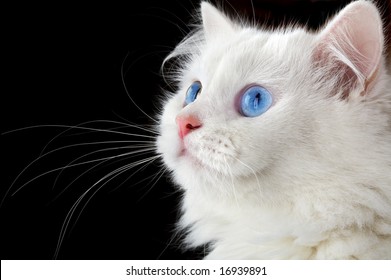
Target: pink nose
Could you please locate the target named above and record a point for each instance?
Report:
(187, 124)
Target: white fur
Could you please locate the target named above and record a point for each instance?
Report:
(311, 177)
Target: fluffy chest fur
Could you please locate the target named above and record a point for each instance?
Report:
(308, 177)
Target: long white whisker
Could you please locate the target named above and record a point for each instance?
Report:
(66, 223)
(152, 127)
(91, 168)
(78, 127)
(78, 177)
(102, 162)
(123, 125)
(161, 172)
(115, 173)
(139, 169)
(62, 148)
(141, 148)
(69, 216)
(80, 163)
(116, 128)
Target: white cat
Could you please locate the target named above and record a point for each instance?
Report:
(281, 140)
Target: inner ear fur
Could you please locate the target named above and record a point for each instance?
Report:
(350, 47)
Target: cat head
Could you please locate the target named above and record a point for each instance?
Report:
(252, 103)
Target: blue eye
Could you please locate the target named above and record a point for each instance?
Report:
(255, 101)
(192, 92)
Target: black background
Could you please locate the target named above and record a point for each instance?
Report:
(62, 65)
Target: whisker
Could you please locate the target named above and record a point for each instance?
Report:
(123, 125)
(78, 164)
(135, 172)
(78, 177)
(147, 144)
(71, 212)
(78, 127)
(115, 173)
(62, 148)
(161, 172)
(88, 170)
(148, 149)
(153, 128)
(117, 128)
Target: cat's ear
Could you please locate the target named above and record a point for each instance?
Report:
(351, 46)
(214, 22)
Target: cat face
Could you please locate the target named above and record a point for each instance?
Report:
(226, 144)
(252, 102)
